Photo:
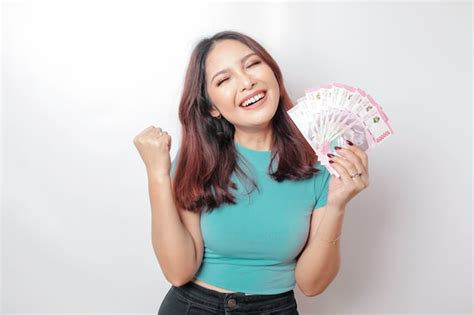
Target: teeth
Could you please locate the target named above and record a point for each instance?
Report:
(253, 99)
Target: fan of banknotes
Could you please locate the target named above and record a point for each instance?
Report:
(331, 113)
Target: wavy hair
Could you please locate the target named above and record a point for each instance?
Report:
(207, 156)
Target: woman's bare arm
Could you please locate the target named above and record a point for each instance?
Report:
(173, 244)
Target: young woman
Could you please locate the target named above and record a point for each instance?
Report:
(245, 211)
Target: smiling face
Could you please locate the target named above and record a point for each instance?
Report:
(234, 72)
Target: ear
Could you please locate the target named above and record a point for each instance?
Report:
(214, 112)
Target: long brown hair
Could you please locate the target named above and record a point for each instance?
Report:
(207, 157)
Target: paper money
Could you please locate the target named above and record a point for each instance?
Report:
(331, 113)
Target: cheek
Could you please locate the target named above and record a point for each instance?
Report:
(223, 97)
(271, 79)
(275, 87)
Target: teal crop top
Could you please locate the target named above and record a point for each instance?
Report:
(252, 246)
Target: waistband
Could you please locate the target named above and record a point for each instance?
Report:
(217, 301)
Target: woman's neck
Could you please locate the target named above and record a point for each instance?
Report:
(262, 141)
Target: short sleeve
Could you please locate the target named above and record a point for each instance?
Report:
(321, 186)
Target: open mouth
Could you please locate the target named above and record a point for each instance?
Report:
(254, 102)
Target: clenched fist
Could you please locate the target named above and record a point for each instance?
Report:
(154, 146)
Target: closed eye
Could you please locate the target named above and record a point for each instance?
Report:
(253, 64)
(221, 81)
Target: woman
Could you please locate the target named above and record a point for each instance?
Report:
(224, 247)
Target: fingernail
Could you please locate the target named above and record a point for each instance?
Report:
(337, 147)
(350, 143)
(330, 155)
(331, 161)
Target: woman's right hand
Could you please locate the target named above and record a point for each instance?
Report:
(154, 146)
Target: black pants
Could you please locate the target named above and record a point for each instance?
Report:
(193, 299)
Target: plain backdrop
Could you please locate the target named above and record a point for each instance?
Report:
(81, 78)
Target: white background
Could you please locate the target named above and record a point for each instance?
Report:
(81, 78)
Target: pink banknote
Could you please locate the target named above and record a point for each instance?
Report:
(331, 113)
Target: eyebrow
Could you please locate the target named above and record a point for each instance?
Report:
(241, 61)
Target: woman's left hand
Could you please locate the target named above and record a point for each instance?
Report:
(353, 161)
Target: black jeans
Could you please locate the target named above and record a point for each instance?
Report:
(193, 299)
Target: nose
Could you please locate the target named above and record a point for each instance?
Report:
(247, 81)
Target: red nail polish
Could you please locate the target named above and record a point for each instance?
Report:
(330, 155)
(337, 147)
(350, 143)
(331, 161)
